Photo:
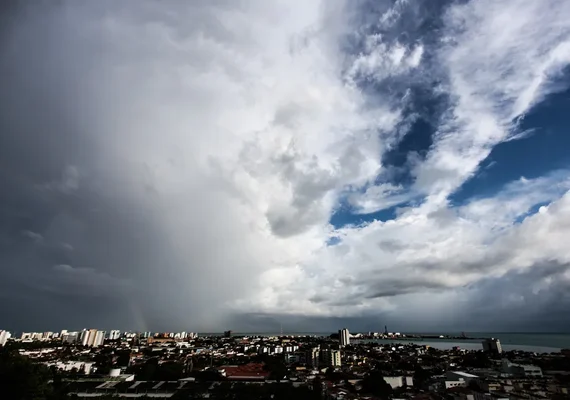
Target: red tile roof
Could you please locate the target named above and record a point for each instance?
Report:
(247, 371)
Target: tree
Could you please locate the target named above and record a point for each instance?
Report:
(21, 379)
(478, 359)
(276, 367)
(420, 377)
(318, 388)
(375, 384)
(474, 385)
(123, 358)
(103, 363)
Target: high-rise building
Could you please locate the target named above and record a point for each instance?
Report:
(99, 338)
(70, 337)
(114, 335)
(344, 337)
(4, 336)
(331, 357)
(91, 337)
(83, 337)
(312, 357)
(492, 345)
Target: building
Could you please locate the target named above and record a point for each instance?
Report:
(331, 358)
(459, 379)
(247, 372)
(4, 336)
(492, 345)
(99, 338)
(344, 337)
(291, 358)
(84, 337)
(521, 370)
(70, 337)
(91, 337)
(312, 357)
(398, 381)
(114, 335)
(86, 367)
(460, 376)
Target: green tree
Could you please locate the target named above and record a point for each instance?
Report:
(103, 363)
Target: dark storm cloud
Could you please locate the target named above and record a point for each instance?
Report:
(392, 287)
(73, 251)
(154, 175)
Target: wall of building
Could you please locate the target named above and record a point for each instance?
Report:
(394, 381)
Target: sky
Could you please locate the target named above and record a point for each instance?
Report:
(247, 165)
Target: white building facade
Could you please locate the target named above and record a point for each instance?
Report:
(4, 336)
(114, 334)
(99, 338)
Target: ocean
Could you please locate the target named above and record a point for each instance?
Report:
(533, 342)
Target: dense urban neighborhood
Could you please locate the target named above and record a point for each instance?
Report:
(182, 365)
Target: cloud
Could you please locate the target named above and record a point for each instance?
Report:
(379, 197)
(68, 183)
(87, 281)
(499, 61)
(34, 236)
(188, 151)
(180, 164)
(380, 60)
(430, 253)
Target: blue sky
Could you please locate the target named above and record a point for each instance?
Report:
(205, 166)
(540, 150)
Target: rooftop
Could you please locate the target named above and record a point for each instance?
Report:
(464, 374)
(247, 371)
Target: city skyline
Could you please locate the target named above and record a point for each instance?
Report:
(297, 165)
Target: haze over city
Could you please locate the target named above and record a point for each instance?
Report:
(299, 165)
